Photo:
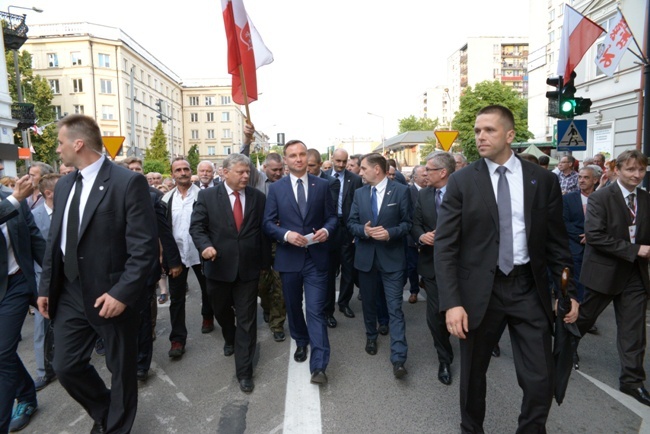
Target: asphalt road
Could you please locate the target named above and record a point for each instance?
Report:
(200, 394)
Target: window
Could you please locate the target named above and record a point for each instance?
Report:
(58, 114)
(75, 58)
(77, 85)
(194, 117)
(227, 150)
(225, 100)
(225, 117)
(227, 134)
(194, 100)
(195, 134)
(211, 150)
(78, 109)
(104, 60)
(210, 117)
(108, 133)
(54, 85)
(107, 112)
(210, 134)
(106, 86)
(551, 36)
(209, 100)
(53, 60)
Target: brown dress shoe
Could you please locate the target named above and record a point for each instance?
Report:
(413, 298)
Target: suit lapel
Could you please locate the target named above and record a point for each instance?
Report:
(620, 205)
(64, 186)
(484, 185)
(223, 201)
(250, 204)
(290, 195)
(530, 190)
(642, 209)
(99, 189)
(390, 188)
(311, 193)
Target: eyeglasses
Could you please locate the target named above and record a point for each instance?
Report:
(428, 169)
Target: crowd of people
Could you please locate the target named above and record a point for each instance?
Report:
(486, 241)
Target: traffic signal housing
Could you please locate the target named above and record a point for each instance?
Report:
(568, 98)
(159, 110)
(583, 105)
(554, 96)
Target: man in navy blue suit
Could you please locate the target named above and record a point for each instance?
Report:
(380, 219)
(300, 215)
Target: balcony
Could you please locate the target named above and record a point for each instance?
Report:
(24, 114)
(14, 30)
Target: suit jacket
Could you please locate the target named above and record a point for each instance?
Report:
(118, 244)
(394, 216)
(467, 237)
(26, 240)
(610, 256)
(574, 220)
(170, 253)
(425, 219)
(413, 191)
(216, 181)
(334, 185)
(282, 214)
(42, 221)
(239, 253)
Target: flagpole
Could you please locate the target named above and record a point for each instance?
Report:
(242, 78)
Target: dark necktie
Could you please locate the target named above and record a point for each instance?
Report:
(631, 205)
(373, 204)
(438, 200)
(506, 255)
(71, 266)
(302, 200)
(339, 204)
(237, 211)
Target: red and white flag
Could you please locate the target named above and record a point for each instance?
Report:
(611, 50)
(246, 51)
(578, 34)
(37, 130)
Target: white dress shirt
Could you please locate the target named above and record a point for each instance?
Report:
(381, 190)
(181, 218)
(242, 198)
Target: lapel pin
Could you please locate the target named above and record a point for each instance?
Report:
(388, 193)
(101, 187)
(533, 181)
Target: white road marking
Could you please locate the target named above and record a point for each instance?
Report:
(182, 397)
(632, 404)
(77, 420)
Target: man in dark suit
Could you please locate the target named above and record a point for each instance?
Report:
(439, 168)
(300, 215)
(21, 244)
(380, 219)
(419, 181)
(227, 229)
(499, 228)
(615, 266)
(88, 292)
(205, 170)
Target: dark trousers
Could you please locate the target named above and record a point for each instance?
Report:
(393, 284)
(577, 267)
(15, 381)
(630, 310)
(436, 322)
(514, 299)
(145, 330)
(341, 257)
(382, 308)
(243, 297)
(313, 330)
(74, 340)
(412, 269)
(177, 286)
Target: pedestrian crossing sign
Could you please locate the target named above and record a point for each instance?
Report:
(572, 134)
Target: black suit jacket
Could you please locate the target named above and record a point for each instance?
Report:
(610, 256)
(26, 240)
(212, 183)
(239, 254)
(574, 220)
(118, 242)
(425, 219)
(171, 255)
(351, 183)
(467, 237)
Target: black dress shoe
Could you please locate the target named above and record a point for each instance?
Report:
(640, 394)
(318, 377)
(98, 428)
(444, 374)
(142, 375)
(228, 349)
(576, 361)
(301, 354)
(266, 316)
(371, 346)
(496, 351)
(331, 322)
(593, 330)
(279, 336)
(345, 310)
(246, 385)
(399, 371)
(383, 329)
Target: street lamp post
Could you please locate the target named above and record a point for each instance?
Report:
(383, 137)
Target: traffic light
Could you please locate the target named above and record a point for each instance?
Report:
(568, 98)
(554, 96)
(159, 110)
(583, 105)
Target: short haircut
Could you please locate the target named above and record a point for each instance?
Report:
(83, 127)
(43, 167)
(504, 112)
(631, 154)
(392, 162)
(444, 160)
(462, 157)
(544, 160)
(273, 156)
(130, 160)
(234, 159)
(595, 170)
(122, 163)
(571, 159)
(205, 162)
(314, 153)
(356, 157)
(529, 157)
(48, 181)
(375, 159)
(291, 143)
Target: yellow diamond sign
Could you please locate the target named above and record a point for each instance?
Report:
(446, 138)
(113, 144)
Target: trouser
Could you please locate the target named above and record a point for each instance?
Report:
(43, 346)
(271, 298)
(145, 335)
(436, 322)
(177, 286)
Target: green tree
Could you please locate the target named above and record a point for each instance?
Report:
(412, 123)
(255, 156)
(193, 157)
(155, 166)
(483, 94)
(157, 149)
(37, 91)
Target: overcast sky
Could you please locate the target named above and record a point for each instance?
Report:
(335, 60)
